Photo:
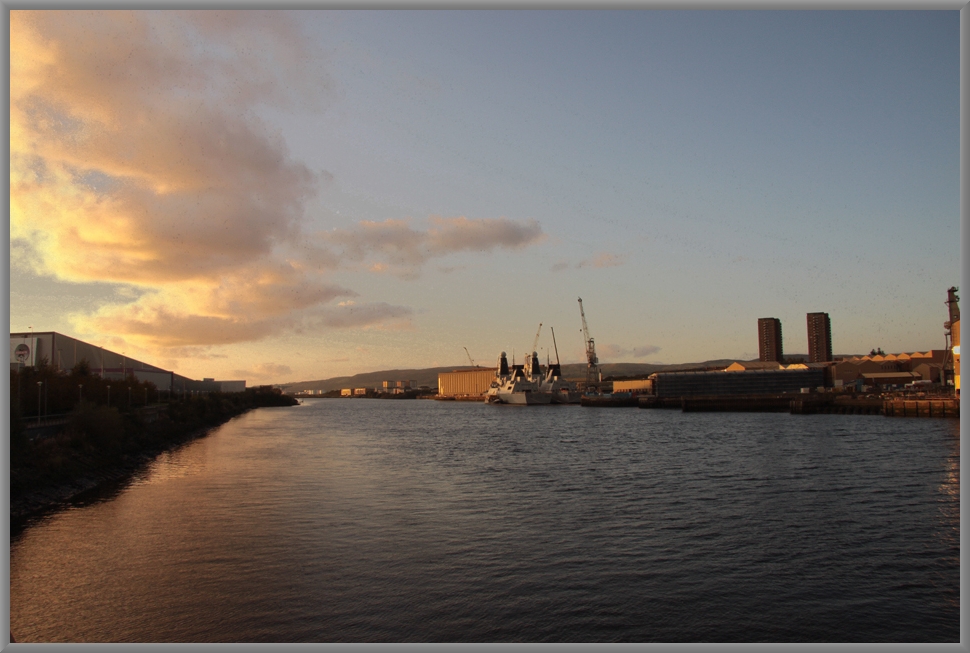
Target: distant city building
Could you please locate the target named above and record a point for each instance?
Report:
(927, 366)
(769, 339)
(741, 366)
(819, 338)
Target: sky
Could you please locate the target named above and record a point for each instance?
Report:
(289, 196)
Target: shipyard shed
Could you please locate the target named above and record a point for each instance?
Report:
(641, 386)
(750, 382)
(465, 382)
(64, 352)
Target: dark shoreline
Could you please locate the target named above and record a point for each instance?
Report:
(99, 448)
(38, 502)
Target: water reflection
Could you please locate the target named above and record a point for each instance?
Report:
(426, 521)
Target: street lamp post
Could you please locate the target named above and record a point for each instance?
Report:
(109, 396)
(39, 384)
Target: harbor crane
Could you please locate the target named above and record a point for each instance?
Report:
(469, 356)
(535, 341)
(554, 345)
(593, 374)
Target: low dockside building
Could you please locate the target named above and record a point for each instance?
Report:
(472, 382)
(749, 382)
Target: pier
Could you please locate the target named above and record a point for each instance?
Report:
(922, 408)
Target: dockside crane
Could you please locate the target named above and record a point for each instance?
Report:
(535, 341)
(553, 372)
(593, 375)
(554, 345)
(469, 356)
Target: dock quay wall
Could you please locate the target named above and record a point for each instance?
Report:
(459, 397)
(809, 404)
(608, 402)
(922, 408)
(753, 404)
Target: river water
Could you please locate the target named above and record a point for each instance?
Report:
(391, 521)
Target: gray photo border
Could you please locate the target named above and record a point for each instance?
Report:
(960, 5)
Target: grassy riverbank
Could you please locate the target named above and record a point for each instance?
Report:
(100, 444)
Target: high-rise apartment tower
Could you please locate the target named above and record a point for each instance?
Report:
(769, 339)
(819, 338)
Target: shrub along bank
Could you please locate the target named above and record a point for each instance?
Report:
(100, 443)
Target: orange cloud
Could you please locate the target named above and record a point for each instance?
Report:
(264, 370)
(138, 157)
(405, 249)
(602, 260)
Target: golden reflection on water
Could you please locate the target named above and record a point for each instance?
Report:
(174, 464)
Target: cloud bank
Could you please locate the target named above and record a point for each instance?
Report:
(138, 157)
(402, 249)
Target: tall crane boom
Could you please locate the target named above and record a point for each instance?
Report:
(535, 341)
(469, 356)
(592, 363)
(554, 344)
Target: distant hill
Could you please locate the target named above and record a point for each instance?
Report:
(429, 376)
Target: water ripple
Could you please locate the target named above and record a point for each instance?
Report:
(370, 521)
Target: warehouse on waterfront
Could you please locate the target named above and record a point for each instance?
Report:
(471, 382)
(64, 352)
(747, 382)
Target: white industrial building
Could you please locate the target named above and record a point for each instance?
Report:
(64, 352)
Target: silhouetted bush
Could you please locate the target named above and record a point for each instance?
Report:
(18, 436)
(101, 426)
(99, 440)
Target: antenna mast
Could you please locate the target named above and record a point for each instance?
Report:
(592, 363)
